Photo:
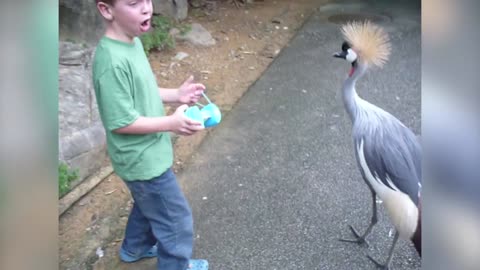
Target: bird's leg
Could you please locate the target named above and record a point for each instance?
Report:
(361, 239)
(386, 266)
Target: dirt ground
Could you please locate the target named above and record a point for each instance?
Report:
(247, 40)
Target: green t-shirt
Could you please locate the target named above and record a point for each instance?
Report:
(126, 88)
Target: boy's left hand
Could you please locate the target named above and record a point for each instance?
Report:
(190, 92)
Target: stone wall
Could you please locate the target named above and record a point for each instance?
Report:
(177, 9)
(79, 21)
(81, 135)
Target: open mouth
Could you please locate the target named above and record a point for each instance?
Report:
(145, 25)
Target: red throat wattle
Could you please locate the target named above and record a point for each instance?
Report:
(351, 72)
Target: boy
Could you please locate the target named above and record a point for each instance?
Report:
(138, 143)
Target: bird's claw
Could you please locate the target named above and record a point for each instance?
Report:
(379, 265)
(358, 238)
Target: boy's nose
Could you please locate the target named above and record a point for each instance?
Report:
(147, 7)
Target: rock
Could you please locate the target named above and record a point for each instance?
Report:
(198, 36)
(100, 252)
(73, 54)
(276, 21)
(176, 9)
(80, 21)
(81, 135)
(88, 163)
(180, 56)
(82, 141)
(270, 51)
(84, 201)
(77, 104)
(74, 104)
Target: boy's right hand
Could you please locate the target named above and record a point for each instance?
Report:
(183, 125)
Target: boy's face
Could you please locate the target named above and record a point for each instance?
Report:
(128, 18)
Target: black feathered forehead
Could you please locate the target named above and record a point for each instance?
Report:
(345, 46)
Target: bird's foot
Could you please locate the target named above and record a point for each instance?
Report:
(359, 239)
(379, 265)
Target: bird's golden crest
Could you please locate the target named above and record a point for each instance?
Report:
(369, 41)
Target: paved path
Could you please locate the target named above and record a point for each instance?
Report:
(276, 184)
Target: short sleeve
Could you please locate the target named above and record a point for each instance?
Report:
(115, 100)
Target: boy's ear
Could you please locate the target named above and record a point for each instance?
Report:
(106, 10)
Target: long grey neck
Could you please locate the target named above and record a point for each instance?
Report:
(349, 94)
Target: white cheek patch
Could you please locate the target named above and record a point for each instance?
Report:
(351, 55)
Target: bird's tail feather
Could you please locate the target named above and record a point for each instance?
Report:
(417, 236)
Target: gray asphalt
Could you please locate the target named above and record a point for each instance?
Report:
(276, 184)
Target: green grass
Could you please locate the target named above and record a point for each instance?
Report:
(65, 177)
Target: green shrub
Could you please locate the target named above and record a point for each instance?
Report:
(65, 177)
(159, 37)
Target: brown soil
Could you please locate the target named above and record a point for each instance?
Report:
(248, 38)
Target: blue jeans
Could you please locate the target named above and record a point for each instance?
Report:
(160, 215)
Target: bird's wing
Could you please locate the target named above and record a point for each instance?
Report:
(392, 158)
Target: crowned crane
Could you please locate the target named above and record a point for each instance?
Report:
(387, 152)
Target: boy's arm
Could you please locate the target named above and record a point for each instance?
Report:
(188, 93)
(116, 106)
(169, 95)
(145, 125)
(177, 122)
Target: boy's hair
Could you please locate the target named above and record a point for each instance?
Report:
(110, 2)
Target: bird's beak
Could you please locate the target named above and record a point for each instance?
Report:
(342, 54)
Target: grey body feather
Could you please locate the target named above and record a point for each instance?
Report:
(390, 148)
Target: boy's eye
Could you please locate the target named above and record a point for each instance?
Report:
(132, 3)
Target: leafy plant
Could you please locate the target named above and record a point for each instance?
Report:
(159, 37)
(65, 177)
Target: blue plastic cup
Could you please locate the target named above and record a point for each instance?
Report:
(209, 115)
(212, 115)
(194, 113)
